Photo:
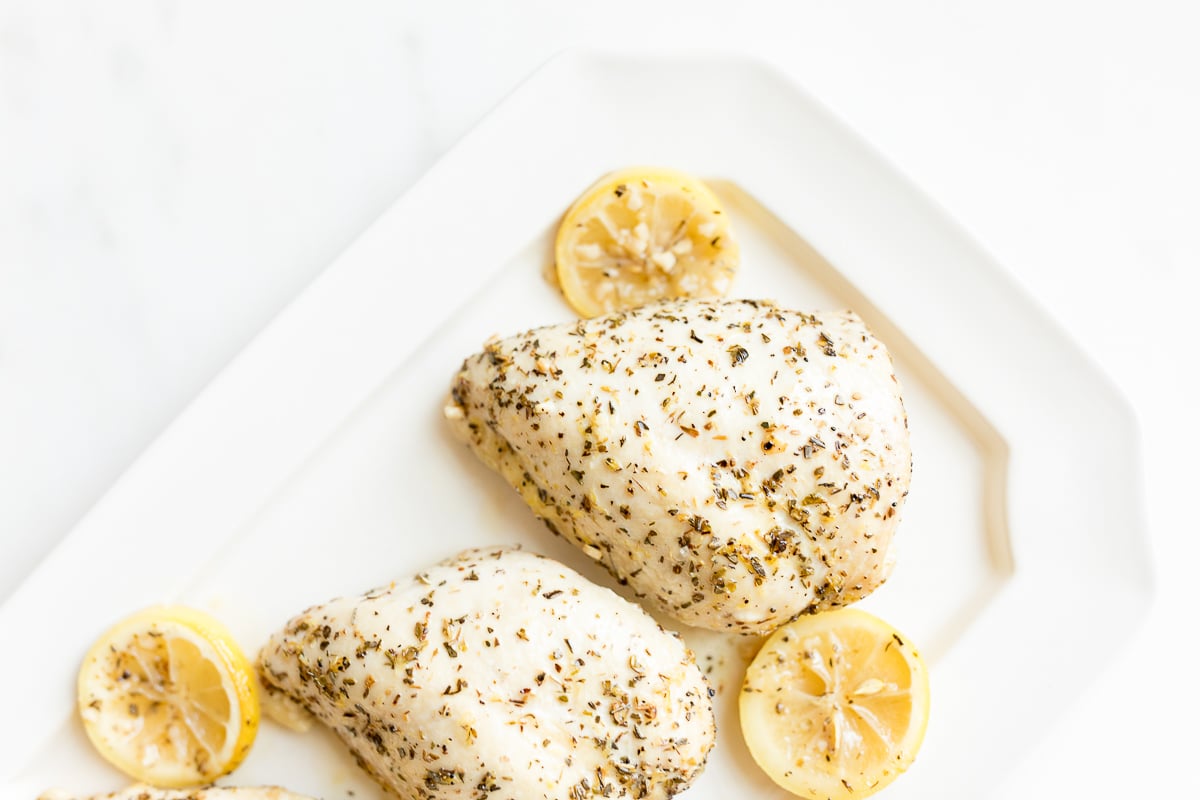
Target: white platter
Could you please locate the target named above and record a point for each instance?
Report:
(317, 463)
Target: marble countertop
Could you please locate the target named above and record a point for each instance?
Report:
(172, 174)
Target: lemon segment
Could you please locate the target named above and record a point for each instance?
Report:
(640, 235)
(168, 698)
(834, 706)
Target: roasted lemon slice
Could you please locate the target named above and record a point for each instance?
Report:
(834, 705)
(640, 235)
(167, 697)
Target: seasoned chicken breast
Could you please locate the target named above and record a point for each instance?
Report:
(500, 674)
(735, 463)
(144, 792)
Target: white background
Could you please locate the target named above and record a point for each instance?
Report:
(172, 174)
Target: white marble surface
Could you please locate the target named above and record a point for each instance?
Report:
(171, 174)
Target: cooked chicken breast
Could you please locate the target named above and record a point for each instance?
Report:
(735, 463)
(144, 792)
(500, 674)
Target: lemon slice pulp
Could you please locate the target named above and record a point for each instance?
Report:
(834, 706)
(167, 697)
(640, 235)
